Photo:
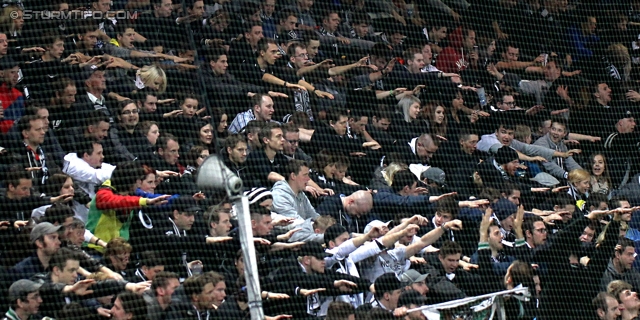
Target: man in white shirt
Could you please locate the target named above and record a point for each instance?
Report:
(347, 251)
(86, 168)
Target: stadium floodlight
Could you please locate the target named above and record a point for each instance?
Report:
(213, 173)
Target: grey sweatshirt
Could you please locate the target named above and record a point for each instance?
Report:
(291, 205)
(307, 234)
(558, 166)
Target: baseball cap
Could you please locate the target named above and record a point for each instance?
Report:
(291, 36)
(21, 288)
(386, 283)
(545, 179)
(376, 223)
(187, 205)
(434, 174)
(621, 113)
(333, 232)
(412, 276)
(313, 249)
(42, 229)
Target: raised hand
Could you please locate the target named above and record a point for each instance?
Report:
(81, 288)
(138, 288)
(278, 317)
(484, 225)
(262, 241)
(308, 292)
(344, 285)
(167, 174)
(560, 189)
(442, 196)
(453, 225)
(324, 95)
(160, 200)
(517, 222)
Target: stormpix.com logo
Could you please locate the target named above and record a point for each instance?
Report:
(68, 15)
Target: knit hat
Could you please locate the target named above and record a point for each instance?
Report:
(257, 195)
(505, 155)
(504, 208)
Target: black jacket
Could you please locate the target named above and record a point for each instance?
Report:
(556, 295)
(290, 279)
(53, 300)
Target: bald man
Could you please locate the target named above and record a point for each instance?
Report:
(349, 211)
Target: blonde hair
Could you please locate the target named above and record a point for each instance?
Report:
(522, 133)
(323, 222)
(405, 104)
(577, 175)
(391, 170)
(149, 74)
(616, 287)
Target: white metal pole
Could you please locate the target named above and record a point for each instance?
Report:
(254, 297)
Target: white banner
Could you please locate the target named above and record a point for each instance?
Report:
(488, 306)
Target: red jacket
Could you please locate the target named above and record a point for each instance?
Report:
(107, 199)
(453, 59)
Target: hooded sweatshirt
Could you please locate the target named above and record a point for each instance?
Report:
(289, 204)
(452, 58)
(630, 276)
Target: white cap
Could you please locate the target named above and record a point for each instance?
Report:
(376, 223)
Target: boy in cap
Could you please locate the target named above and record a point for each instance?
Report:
(25, 300)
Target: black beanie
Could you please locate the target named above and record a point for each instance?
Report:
(505, 155)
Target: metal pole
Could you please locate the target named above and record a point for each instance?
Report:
(254, 295)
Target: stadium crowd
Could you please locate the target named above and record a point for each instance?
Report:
(395, 154)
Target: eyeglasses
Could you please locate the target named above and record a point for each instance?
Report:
(542, 230)
(203, 156)
(512, 103)
(129, 112)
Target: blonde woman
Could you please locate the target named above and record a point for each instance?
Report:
(406, 125)
(151, 77)
(383, 176)
(11, 23)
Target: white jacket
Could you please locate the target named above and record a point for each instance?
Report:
(343, 260)
(86, 176)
